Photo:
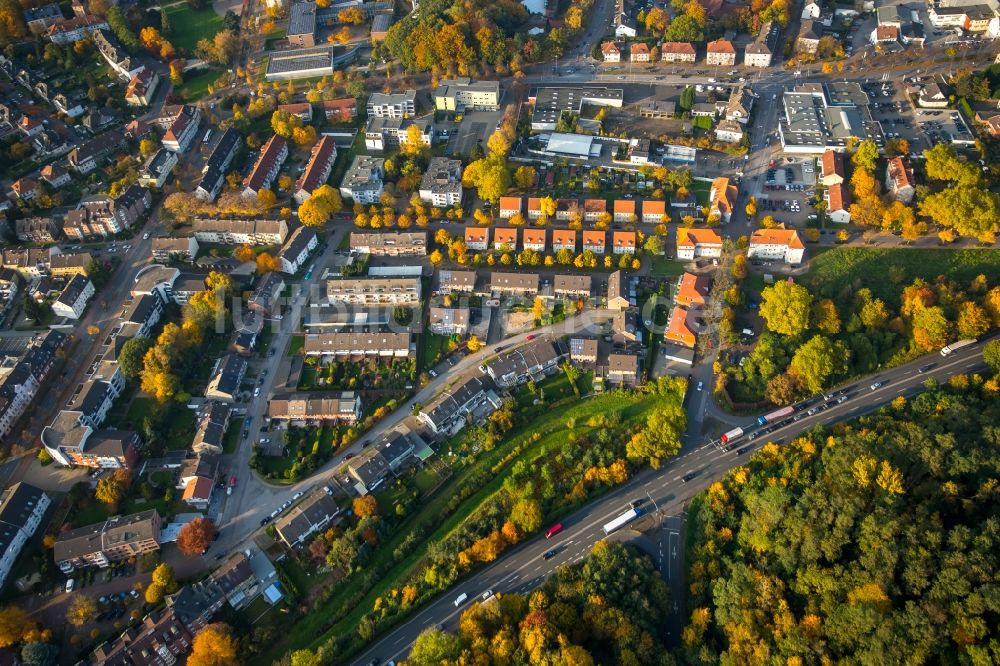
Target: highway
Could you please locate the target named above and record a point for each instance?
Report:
(665, 493)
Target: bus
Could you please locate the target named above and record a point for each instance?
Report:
(955, 346)
(622, 520)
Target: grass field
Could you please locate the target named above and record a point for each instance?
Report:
(434, 348)
(633, 408)
(886, 271)
(666, 267)
(188, 26)
(195, 86)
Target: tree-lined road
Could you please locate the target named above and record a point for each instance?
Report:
(665, 493)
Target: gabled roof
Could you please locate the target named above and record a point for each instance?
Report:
(654, 207)
(623, 239)
(640, 48)
(477, 234)
(506, 235)
(610, 48)
(678, 47)
(833, 163)
(778, 236)
(693, 288)
(721, 46)
(595, 237)
(595, 205)
(511, 203)
(839, 198)
(534, 236)
(691, 237)
(624, 206)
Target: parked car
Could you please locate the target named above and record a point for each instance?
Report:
(71, 584)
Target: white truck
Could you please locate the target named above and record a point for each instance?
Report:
(622, 520)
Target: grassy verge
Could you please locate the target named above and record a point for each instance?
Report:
(310, 629)
(885, 271)
(196, 85)
(232, 439)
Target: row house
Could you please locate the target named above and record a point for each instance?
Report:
(654, 212)
(623, 242)
(778, 244)
(462, 282)
(342, 109)
(182, 129)
(449, 412)
(583, 351)
(28, 262)
(266, 296)
(624, 210)
(342, 408)
(210, 433)
(68, 264)
(328, 346)
(272, 156)
(623, 369)
(37, 230)
(571, 286)
(373, 291)
(239, 232)
(294, 254)
(22, 508)
(70, 31)
(213, 174)
(401, 243)
(105, 217)
(317, 170)
(514, 284)
(698, 243)
(170, 248)
(564, 239)
(84, 158)
(531, 361)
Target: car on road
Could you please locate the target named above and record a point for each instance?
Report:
(701, 385)
(348, 456)
(486, 595)
(690, 475)
(297, 495)
(145, 236)
(554, 530)
(265, 520)
(924, 368)
(256, 392)
(71, 584)
(877, 385)
(461, 598)
(744, 449)
(497, 350)
(531, 337)
(549, 554)
(842, 399)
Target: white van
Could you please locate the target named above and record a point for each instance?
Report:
(461, 599)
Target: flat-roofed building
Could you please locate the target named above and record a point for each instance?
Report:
(363, 181)
(816, 117)
(548, 104)
(391, 243)
(464, 94)
(357, 345)
(331, 407)
(302, 24)
(514, 284)
(392, 105)
(373, 291)
(572, 286)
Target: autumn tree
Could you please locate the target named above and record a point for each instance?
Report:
(785, 307)
(214, 646)
(244, 253)
(473, 344)
(489, 176)
(163, 575)
(81, 609)
(365, 506)
(527, 515)
(196, 536)
(866, 155)
(267, 263)
(817, 360)
(15, 625)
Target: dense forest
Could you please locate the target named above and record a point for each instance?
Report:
(608, 609)
(875, 542)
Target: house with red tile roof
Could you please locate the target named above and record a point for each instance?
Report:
(899, 180)
(653, 211)
(510, 206)
(611, 52)
(721, 52)
(639, 52)
(564, 239)
(692, 290)
(677, 52)
(777, 244)
(831, 168)
(505, 238)
(623, 242)
(592, 209)
(533, 239)
(341, 109)
(595, 241)
(697, 243)
(624, 210)
(722, 198)
(838, 201)
(681, 329)
(477, 238)
(534, 208)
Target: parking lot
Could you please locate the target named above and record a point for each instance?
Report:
(789, 189)
(944, 126)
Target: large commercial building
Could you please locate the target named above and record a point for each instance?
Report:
(816, 117)
(550, 103)
(302, 24)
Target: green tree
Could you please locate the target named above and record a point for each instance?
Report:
(686, 102)
(866, 155)
(527, 515)
(434, 647)
(816, 361)
(130, 359)
(991, 354)
(785, 307)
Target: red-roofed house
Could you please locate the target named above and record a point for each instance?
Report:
(317, 170)
(533, 239)
(564, 239)
(777, 244)
(477, 238)
(505, 239)
(198, 493)
(342, 109)
(182, 129)
(593, 208)
(25, 188)
(696, 243)
(624, 210)
(721, 52)
(680, 330)
(623, 242)
(653, 211)
(534, 208)
(677, 52)
(595, 241)
(838, 201)
(29, 126)
(611, 52)
(510, 206)
(303, 110)
(692, 290)
(832, 168)
(142, 87)
(722, 198)
(272, 156)
(639, 52)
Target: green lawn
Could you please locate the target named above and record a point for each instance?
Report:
(188, 26)
(885, 271)
(701, 191)
(666, 267)
(296, 345)
(434, 347)
(195, 85)
(232, 439)
(633, 407)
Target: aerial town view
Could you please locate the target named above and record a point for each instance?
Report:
(511, 332)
